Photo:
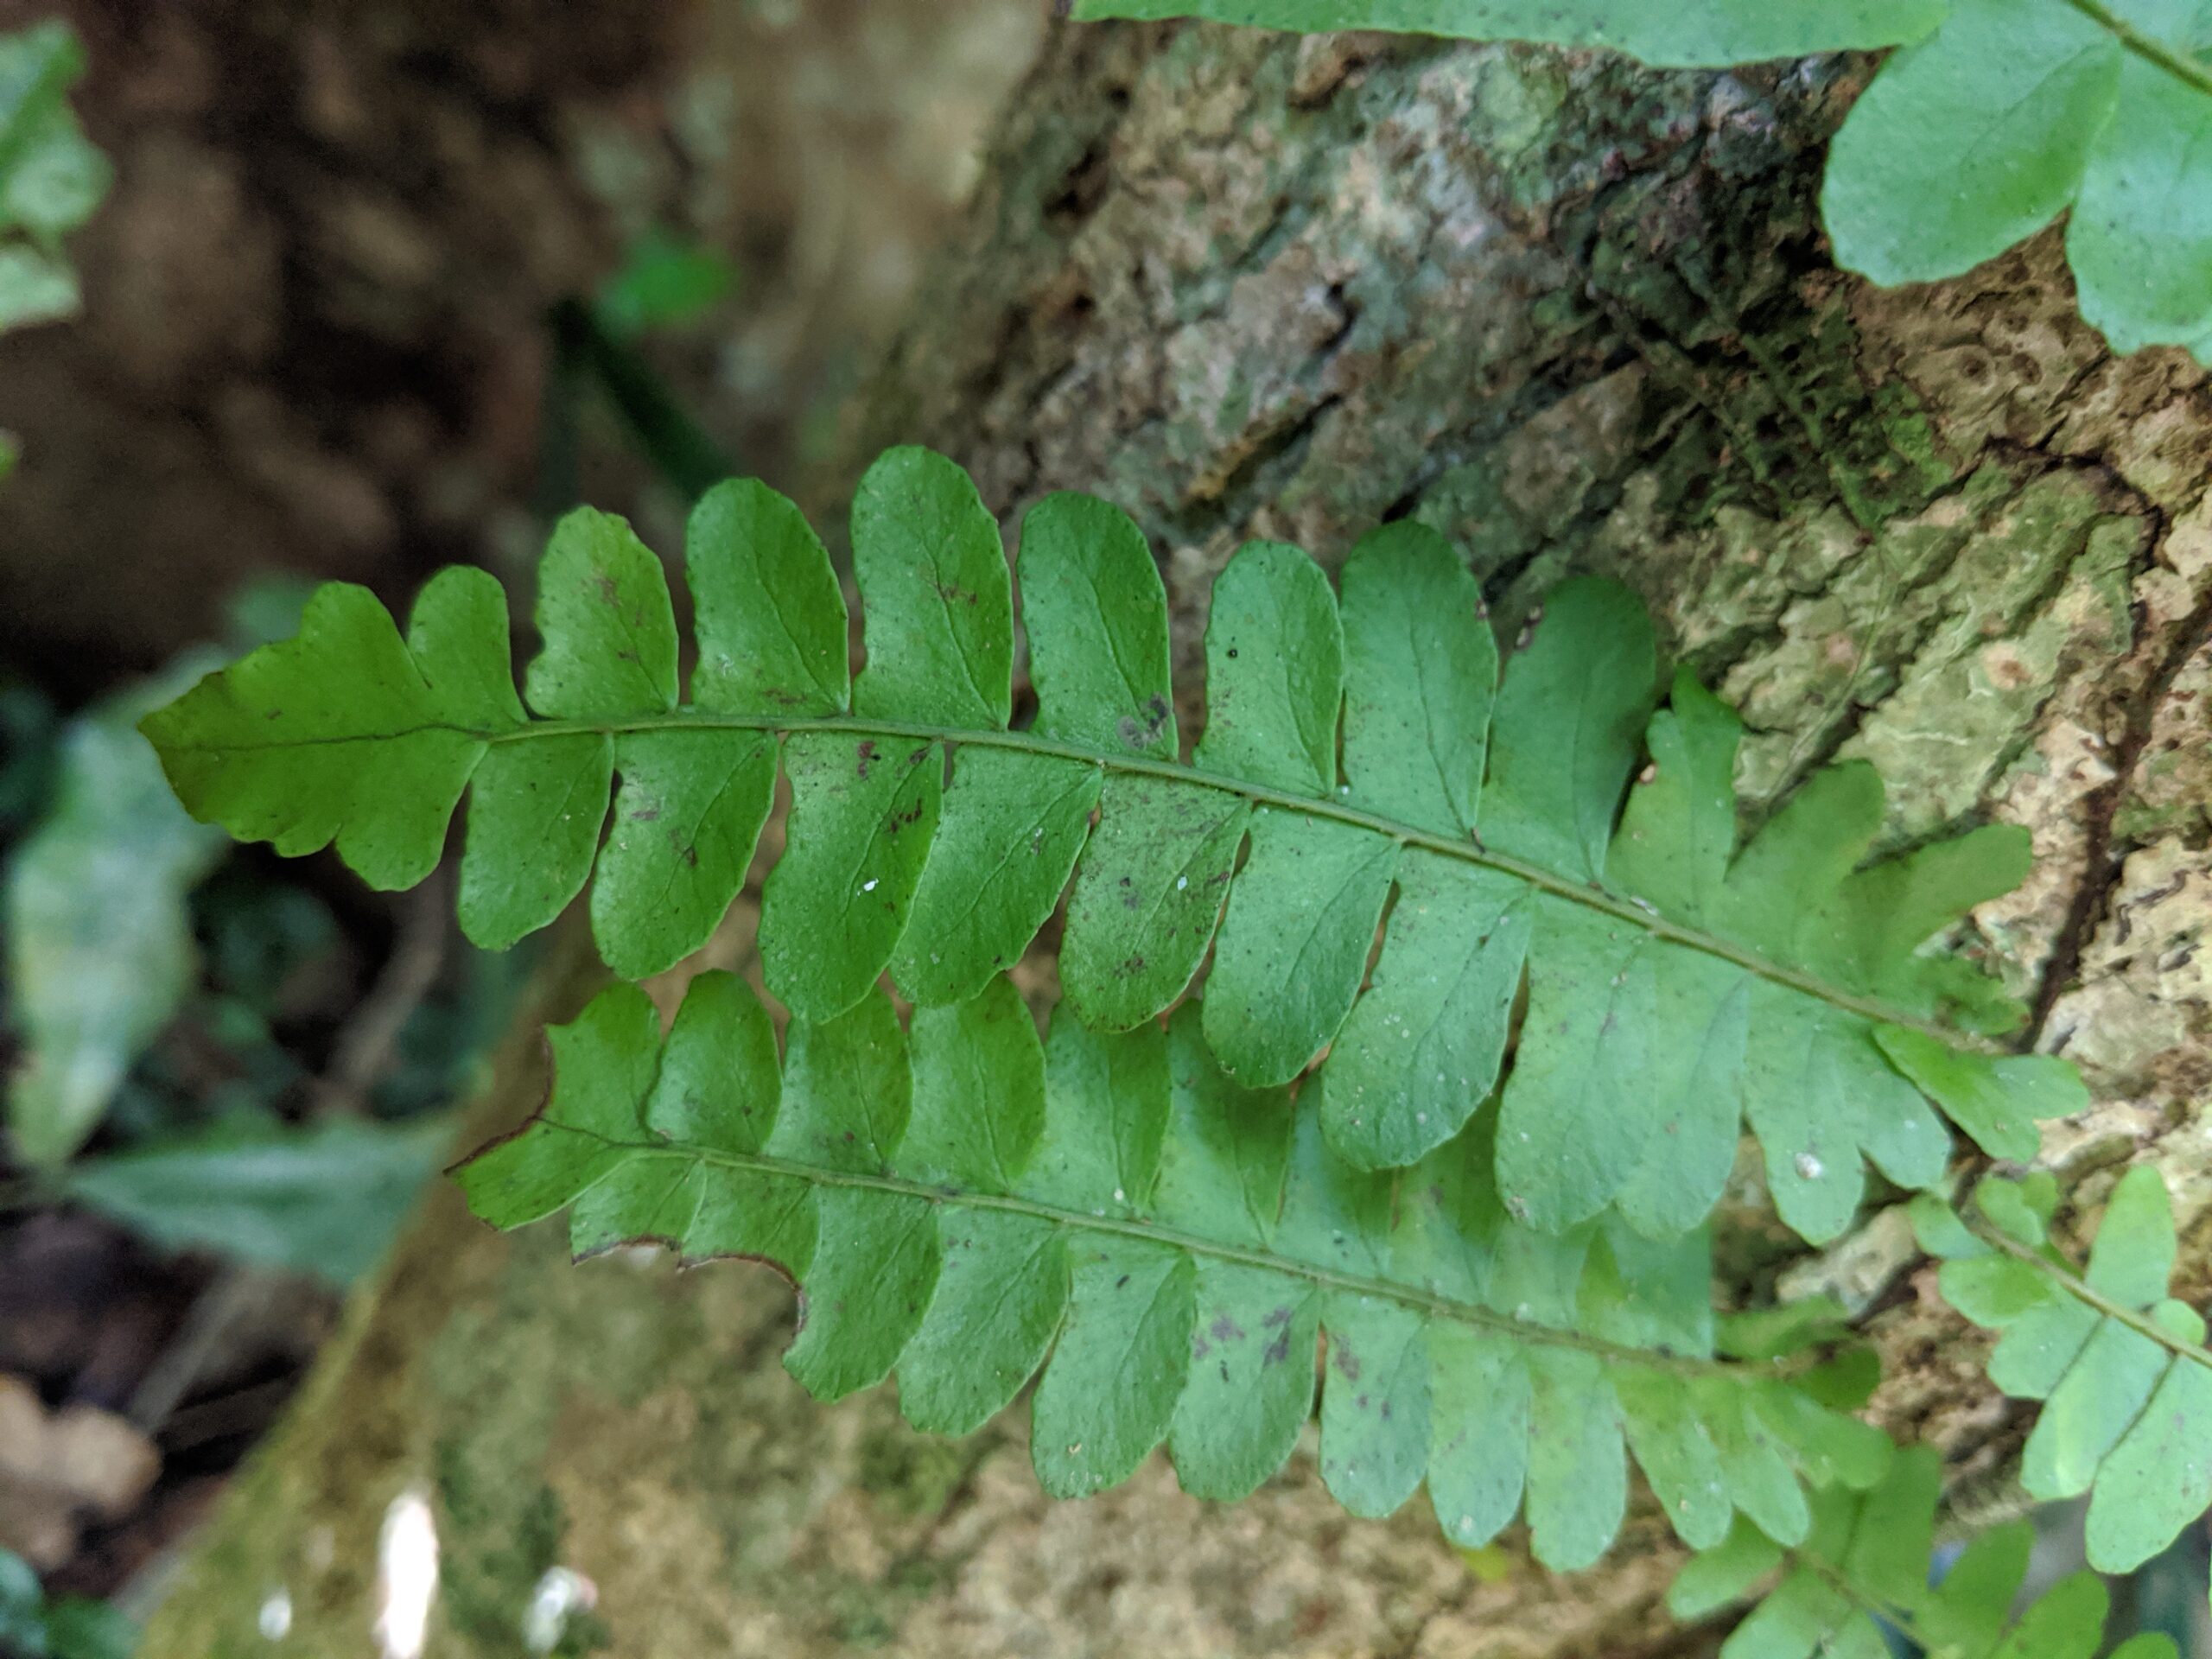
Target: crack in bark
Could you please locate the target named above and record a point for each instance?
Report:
(2101, 863)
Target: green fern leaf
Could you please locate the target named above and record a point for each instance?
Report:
(2120, 1369)
(2009, 115)
(1865, 1565)
(51, 177)
(965, 1204)
(1483, 821)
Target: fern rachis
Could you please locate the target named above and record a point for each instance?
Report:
(1658, 958)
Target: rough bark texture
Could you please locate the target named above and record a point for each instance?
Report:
(1577, 315)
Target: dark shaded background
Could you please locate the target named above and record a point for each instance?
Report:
(323, 338)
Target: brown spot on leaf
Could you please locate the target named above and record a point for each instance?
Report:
(1142, 735)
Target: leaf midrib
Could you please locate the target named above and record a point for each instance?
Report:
(2179, 65)
(1411, 1296)
(2075, 1285)
(1634, 913)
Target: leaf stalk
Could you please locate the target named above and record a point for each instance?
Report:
(1411, 1296)
(2076, 1286)
(2181, 67)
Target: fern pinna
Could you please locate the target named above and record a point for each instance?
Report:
(1476, 1171)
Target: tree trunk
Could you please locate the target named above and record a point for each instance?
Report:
(1577, 315)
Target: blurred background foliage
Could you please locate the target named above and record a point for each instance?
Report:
(371, 288)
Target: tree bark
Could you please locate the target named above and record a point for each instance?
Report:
(1577, 315)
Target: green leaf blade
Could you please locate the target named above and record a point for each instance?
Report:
(1478, 1406)
(1718, 1576)
(768, 612)
(1375, 1423)
(99, 929)
(1001, 1290)
(2156, 1480)
(534, 818)
(719, 1084)
(1275, 672)
(1678, 831)
(833, 910)
(604, 1063)
(686, 820)
(2033, 1356)
(2084, 1417)
(608, 624)
(1699, 1089)
(1096, 615)
(1421, 674)
(1571, 1130)
(1995, 1100)
(644, 1199)
(1252, 1379)
(1106, 1110)
(748, 1215)
(1111, 1390)
(1802, 1071)
(1149, 890)
(2140, 240)
(939, 605)
(1424, 1046)
(1759, 1477)
(1676, 1455)
(1221, 1164)
(849, 1090)
(979, 1093)
(868, 1289)
(2134, 1255)
(1293, 946)
(1568, 726)
(323, 1199)
(1578, 1462)
(1785, 876)
(1968, 141)
(458, 634)
(332, 737)
(1008, 837)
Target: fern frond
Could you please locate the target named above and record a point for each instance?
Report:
(2119, 1366)
(961, 1203)
(1864, 1565)
(1676, 982)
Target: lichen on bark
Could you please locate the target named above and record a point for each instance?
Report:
(1576, 316)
